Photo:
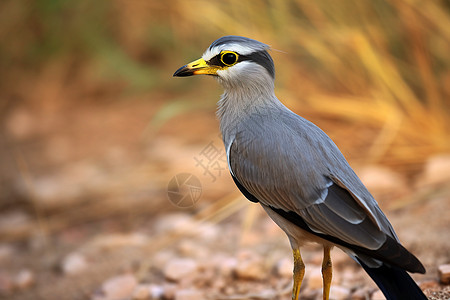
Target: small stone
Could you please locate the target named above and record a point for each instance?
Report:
(251, 268)
(339, 292)
(119, 287)
(284, 268)
(350, 278)
(378, 295)
(176, 222)
(6, 284)
(361, 294)
(179, 268)
(314, 278)
(74, 263)
(15, 223)
(169, 290)
(24, 279)
(228, 266)
(6, 252)
(267, 294)
(156, 291)
(141, 292)
(429, 284)
(189, 294)
(340, 259)
(444, 273)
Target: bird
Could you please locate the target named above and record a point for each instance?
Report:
(298, 175)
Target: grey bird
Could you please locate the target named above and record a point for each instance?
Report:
(297, 174)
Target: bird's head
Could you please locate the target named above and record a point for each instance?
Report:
(235, 61)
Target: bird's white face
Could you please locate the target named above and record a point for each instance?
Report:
(233, 61)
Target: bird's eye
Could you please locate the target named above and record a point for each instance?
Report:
(228, 58)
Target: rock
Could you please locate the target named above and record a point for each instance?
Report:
(250, 266)
(189, 294)
(338, 292)
(361, 294)
(179, 268)
(169, 290)
(340, 259)
(284, 267)
(141, 292)
(74, 263)
(24, 279)
(194, 249)
(208, 231)
(228, 266)
(6, 284)
(429, 284)
(6, 252)
(350, 278)
(176, 222)
(148, 292)
(119, 287)
(314, 277)
(20, 123)
(267, 294)
(378, 295)
(15, 223)
(156, 291)
(444, 273)
(437, 170)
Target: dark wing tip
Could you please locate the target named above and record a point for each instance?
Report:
(394, 253)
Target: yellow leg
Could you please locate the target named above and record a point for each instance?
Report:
(327, 272)
(299, 272)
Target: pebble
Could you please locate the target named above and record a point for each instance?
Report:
(24, 279)
(314, 277)
(6, 252)
(141, 292)
(250, 267)
(228, 266)
(340, 259)
(378, 295)
(349, 277)
(6, 284)
(189, 294)
(339, 292)
(156, 291)
(169, 290)
(361, 294)
(284, 267)
(179, 268)
(444, 273)
(429, 284)
(176, 222)
(74, 263)
(119, 287)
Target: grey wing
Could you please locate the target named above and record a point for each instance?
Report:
(293, 183)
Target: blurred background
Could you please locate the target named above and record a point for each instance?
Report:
(93, 127)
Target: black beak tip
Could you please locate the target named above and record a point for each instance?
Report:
(183, 72)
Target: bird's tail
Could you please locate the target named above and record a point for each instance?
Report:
(395, 283)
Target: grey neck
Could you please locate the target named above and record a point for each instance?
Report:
(242, 99)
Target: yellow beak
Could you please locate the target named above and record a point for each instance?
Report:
(197, 67)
